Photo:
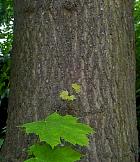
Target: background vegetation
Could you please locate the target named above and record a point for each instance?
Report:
(137, 44)
(6, 37)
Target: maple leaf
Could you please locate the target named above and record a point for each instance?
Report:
(64, 95)
(44, 153)
(57, 127)
(76, 87)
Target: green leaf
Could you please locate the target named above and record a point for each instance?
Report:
(76, 87)
(57, 127)
(44, 153)
(71, 98)
(64, 95)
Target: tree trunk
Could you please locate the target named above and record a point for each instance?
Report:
(90, 42)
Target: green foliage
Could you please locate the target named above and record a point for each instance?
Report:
(57, 134)
(6, 38)
(64, 95)
(57, 127)
(44, 153)
(137, 34)
(76, 87)
(6, 11)
(137, 44)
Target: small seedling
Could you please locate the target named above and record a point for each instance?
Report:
(57, 135)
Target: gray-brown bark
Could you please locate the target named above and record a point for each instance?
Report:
(91, 42)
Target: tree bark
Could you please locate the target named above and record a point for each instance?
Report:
(90, 42)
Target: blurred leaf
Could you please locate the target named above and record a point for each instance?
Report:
(44, 153)
(76, 87)
(64, 95)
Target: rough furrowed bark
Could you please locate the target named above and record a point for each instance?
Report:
(90, 42)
